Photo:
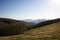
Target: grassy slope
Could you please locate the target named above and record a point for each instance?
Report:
(49, 32)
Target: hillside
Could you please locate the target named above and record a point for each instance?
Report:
(12, 27)
(48, 32)
(47, 22)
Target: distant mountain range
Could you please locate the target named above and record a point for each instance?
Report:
(34, 21)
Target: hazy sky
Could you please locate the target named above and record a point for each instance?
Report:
(30, 9)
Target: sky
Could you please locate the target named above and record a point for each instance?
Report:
(30, 9)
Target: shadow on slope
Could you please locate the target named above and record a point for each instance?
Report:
(12, 27)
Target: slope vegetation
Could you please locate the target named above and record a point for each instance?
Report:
(12, 27)
(49, 32)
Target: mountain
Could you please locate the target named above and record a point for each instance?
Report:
(47, 30)
(13, 27)
(47, 22)
(34, 21)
